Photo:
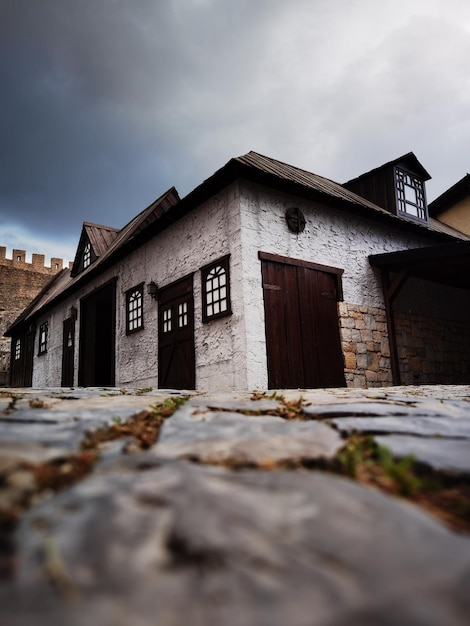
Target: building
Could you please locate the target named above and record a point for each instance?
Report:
(453, 206)
(264, 276)
(20, 282)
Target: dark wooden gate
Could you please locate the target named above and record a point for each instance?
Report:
(97, 338)
(68, 352)
(176, 358)
(302, 329)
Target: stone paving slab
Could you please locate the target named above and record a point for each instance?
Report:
(417, 407)
(15, 452)
(408, 393)
(245, 547)
(441, 454)
(146, 542)
(410, 425)
(68, 420)
(223, 437)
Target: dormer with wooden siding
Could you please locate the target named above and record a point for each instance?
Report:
(94, 242)
(398, 187)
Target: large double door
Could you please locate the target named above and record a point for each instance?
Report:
(302, 328)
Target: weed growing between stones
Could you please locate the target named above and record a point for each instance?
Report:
(143, 427)
(445, 495)
(26, 484)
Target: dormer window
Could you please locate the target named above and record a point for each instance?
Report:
(411, 199)
(87, 255)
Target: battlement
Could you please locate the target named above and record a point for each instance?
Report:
(18, 260)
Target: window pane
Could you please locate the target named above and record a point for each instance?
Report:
(135, 318)
(216, 291)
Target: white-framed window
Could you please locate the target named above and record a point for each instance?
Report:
(216, 290)
(135, 308)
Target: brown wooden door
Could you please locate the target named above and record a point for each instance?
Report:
(302, 330)
(176, 357)
(68, 352)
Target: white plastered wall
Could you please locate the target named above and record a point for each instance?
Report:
(241, 221)
(202, 236)
(331, 237)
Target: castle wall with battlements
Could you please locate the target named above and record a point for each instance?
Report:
(20, 282)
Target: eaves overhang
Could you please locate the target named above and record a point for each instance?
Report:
(273, 174)
(447, 264)
(450, 197)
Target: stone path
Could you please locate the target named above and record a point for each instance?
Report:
(206, 527)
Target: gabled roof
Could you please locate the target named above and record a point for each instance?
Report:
(408, 160)
(126, 239)
(252, 167)
(100, 238)
(314, 182)
(454, 194)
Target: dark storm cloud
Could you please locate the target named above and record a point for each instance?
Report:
(95, 100)
(104, 104)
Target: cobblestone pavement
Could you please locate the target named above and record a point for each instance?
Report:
(249, 509)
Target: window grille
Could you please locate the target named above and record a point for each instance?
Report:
(135, 309)
(43, 336)
(216, 290)
(167, 320)
(411, 199)
(182, 315)
(87, 255)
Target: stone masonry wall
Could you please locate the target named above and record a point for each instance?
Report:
(432, 350)
(365, 345)
(20, 282)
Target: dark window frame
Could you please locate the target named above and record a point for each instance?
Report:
(18, 349)
(224, 264)
(417, 184)
(43, 338)
(86, 255)
(138, 319)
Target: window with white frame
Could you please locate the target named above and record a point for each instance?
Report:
(135, 309)
(17, 349)
(43, 337)
(216, 290)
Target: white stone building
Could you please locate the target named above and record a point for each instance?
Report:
(264, 276)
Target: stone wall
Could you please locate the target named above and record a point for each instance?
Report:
(432, 350)
(20, 282)
(365, 345)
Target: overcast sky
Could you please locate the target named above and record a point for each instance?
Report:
(105, 104)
